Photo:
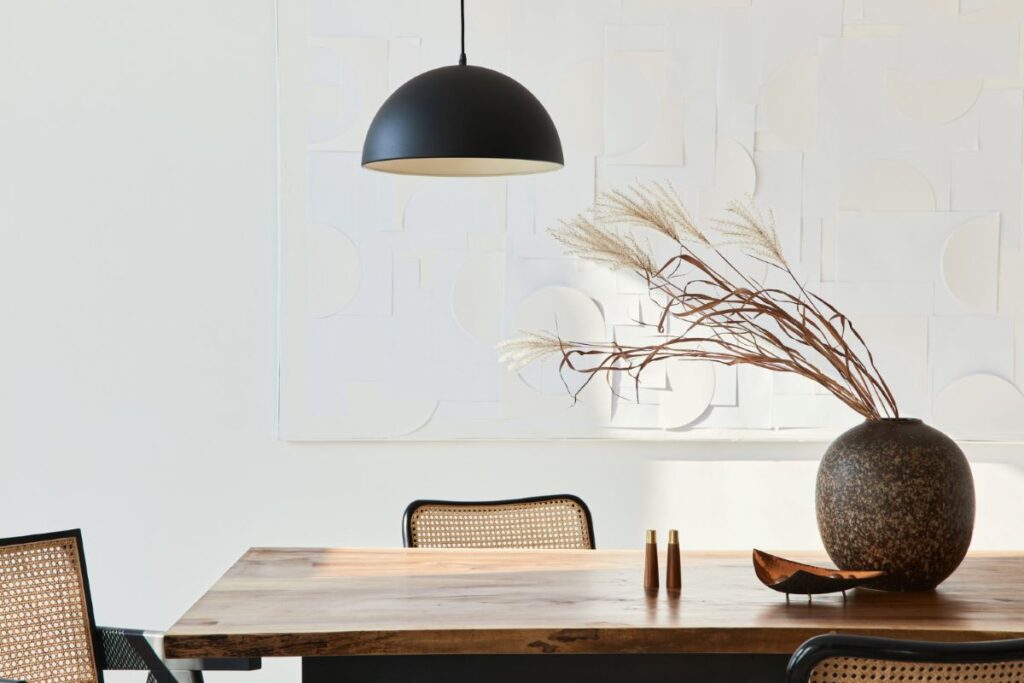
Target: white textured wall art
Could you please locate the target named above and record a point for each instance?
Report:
(884, 134)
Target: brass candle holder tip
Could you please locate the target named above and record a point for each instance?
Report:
(652, 536)
(673, 536)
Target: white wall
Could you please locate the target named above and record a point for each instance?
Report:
(885, 137)
(136, 298)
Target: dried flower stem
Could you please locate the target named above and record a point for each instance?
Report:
(726, 316)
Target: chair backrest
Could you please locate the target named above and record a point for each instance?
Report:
(47, 632)
(857, 659)
(542, 522)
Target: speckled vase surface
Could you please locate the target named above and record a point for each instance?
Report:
(896, 495)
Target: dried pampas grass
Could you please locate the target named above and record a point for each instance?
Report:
(726, 316)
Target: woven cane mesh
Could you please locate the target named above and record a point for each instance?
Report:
(45, 632)
(856, 670)
(552, 523)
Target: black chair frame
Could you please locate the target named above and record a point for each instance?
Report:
(819, 648)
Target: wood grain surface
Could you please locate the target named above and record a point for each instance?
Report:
(323, 602)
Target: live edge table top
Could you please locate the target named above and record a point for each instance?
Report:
(307, 602)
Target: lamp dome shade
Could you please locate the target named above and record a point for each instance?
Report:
(462, 121)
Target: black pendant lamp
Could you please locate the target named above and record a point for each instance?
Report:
(462, 121)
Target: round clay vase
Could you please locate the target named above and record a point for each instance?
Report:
(896, 495)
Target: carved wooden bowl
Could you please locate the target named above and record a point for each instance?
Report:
(788, 577)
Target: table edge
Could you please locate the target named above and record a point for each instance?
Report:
(539, 641)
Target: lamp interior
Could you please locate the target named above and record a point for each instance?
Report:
(462, 166)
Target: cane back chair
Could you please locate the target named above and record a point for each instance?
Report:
(47, 630)
(857, 659)
(542, 522)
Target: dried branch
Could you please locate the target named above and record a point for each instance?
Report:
(725, 315)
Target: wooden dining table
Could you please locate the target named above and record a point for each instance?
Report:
(565, 615)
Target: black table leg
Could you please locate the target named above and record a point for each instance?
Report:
(688, 668)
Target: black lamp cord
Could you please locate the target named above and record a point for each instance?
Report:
(462, 13)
